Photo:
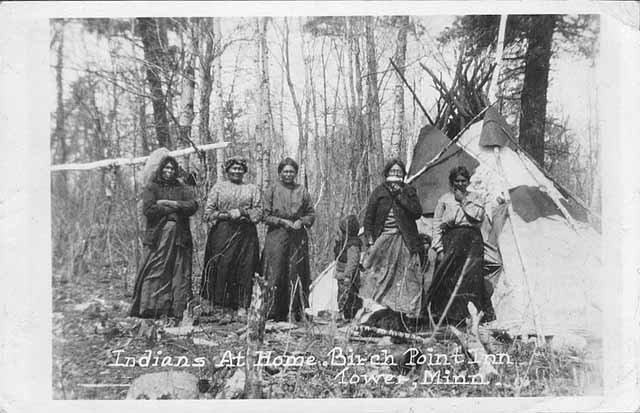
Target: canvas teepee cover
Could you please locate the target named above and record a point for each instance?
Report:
(546, 264)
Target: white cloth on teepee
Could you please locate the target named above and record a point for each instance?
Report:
(323, 293)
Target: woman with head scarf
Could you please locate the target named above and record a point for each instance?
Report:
(232, 253)
(163, 284)
(460, 252)
(288, 212)
(392, 273)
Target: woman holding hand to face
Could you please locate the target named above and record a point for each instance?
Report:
(394, 261)
(460, 253)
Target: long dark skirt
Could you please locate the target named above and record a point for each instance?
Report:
(285, 265)
(349, 302)
(231, 258)
(461, 245)
(163, 284)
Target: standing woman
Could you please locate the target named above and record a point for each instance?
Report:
(393, 265)
(460, 252)
(163, 284)
(232, 253)
(288, 212)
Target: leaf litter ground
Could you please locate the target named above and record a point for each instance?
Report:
(90, 322)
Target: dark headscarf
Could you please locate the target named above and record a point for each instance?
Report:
(389, 165)
(236, 160)
(287, 162)
(349, 227)
(163, 163)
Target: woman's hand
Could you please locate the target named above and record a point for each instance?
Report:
(297, 225)
(395, 188)
(285, 223)
(439, 257)
(167, 203)
(458, 194)
(234, 213)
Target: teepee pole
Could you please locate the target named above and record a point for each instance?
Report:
(493, 86)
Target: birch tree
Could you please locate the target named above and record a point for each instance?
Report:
(373, 102)
(397, 135)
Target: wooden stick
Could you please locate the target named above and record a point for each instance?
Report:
(108, 163)
(493, 86)
(453, 141)
(453, 295)
(391, 333)
(471, 343)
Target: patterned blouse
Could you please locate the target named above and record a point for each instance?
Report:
(469, 212)
(225, 196)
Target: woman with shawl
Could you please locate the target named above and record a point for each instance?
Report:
(460, 253)
(393, 275)
(163, 284)
(232, 253)
(288, 212)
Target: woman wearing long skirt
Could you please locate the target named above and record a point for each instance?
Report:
(460, 253)
(163, 284)
(393, 265)
(232, 253)
(288, 212)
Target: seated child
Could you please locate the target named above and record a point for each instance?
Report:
(347, 254)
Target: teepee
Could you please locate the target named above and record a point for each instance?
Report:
(542, 260)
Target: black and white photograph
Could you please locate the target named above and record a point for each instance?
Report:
(375, 203)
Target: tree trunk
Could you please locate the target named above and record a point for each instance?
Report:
(292, 91)
(219, 110)
(153, 55)
(397, 135)
(256, 322)
(59, 131)
(373, 102)
(360, 155)
(308, 91)
(534, 90)
(264, 127)
(206, 81)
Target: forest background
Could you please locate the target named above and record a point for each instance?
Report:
(319, 89)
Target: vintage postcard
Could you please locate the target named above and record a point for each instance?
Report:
(417, 205)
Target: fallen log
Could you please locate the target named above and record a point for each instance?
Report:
(391, 333)
(109, 163)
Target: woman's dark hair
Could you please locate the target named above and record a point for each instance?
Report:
(287, 162)
(165, 161)
(389, 165)
(350, 225)
(236, 160)
(458, 170)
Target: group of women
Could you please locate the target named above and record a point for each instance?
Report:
(232, 255)
(391, 272)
